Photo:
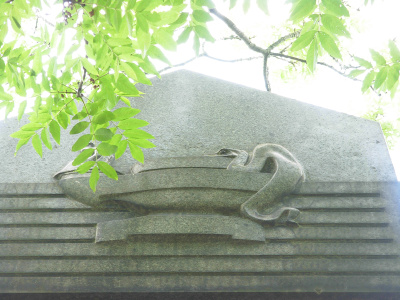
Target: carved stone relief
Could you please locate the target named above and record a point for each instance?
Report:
(231, 193)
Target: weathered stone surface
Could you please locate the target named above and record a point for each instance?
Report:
(194, 115)
(177, 223)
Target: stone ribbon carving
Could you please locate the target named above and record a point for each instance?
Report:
(264, 206)
(200, 191)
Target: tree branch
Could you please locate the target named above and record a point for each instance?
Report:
(180, 64)
(283, 39)
(319, 63)
(233, 27)
(266, 73)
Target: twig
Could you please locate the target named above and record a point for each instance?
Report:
(283, 39)
(233, 27)
(181, 64)
(319, 63)
(266, 73)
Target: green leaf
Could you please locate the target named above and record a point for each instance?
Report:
(201, 16)
(336, 7)
(143, 40)
(312, 56)
(364, 63)
(124, 85)
(94, 178)
(106, 149)
(131, 4)
(21, 142)
(124, 113)
(21, 109)
(31, 127)
(329, 45)
(132, 124)
(303, 41)
(138, 134)
(103, 117)
(207, 3)
(103, 134)
(107, 170)
(134, 72)
(136, 152)
(355, 73)
(380, 77)
(121, 149)
(21, 134)
(165, 39)
(63, 119)
(84, 155)
(156, 53)
(88, 66)
(83, 168)
(82, 142)
(204, 33)
(37, 144)
(302, 9)
(368, 81)
(37, 62)
(392, 77)
(394, 51)
(45, 138)
(184, 36)
(379, 59)
(334, 25)
(263, 5)
(142, 23)
(142, 143)
(79, 127)
(54, 129)
(60, 47)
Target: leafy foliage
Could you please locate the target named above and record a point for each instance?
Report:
(89, 62)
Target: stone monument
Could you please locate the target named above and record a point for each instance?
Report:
(245, 191)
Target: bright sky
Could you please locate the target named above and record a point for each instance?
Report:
(377, 24)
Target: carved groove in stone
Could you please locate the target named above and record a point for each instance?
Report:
(237, 228)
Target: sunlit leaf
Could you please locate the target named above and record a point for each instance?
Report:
(394, 51)
(108, 170)
(37, 144)
(54, 129)
(83, 168)
(329, 45)
(302, 9)
(336, 7)
(303, 41)
(363, 62)
(121, 149)
(79, 127)
(106, 149)
(379, 59)
(136, 152)
(82, 142)
(334, 25)
(21, 109)
(312, 56)
(368, 81)
(103, 134)
(138, 134)
(84, 155)
(94, 178)
(46, 138)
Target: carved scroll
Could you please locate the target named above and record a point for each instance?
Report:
(265, 206)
